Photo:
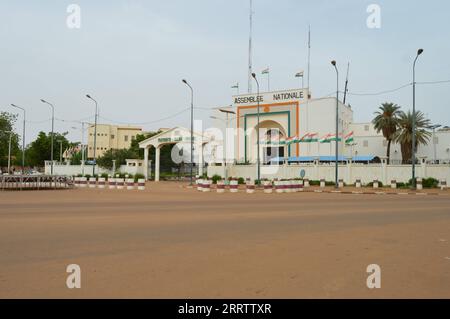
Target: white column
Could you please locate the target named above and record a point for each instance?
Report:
(200, 159)
(157, 155)
(146, 163)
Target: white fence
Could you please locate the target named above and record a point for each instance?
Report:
(349, 172)
(64, 169)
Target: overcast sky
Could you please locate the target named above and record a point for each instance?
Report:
(132, 55)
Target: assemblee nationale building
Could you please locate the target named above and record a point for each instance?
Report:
(293, 129)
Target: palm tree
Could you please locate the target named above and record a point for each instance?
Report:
(386, 121)
(404, 134)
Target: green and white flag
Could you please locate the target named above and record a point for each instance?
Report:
(265, 71)
(349, 138)
(299, 74)
(236, 86)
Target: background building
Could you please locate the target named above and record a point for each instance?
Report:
(111, 137)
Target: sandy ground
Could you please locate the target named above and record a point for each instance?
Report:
(173, 242)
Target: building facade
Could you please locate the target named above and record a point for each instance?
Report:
(110, 137)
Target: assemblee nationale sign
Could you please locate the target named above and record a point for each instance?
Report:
(270, 97)
(174, 140)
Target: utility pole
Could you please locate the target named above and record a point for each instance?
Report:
(250, 67)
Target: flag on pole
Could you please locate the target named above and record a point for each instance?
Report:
(326, 138)
(236, 86)
(265, 71)
(299, 74)
(292, 140)
(349, 138)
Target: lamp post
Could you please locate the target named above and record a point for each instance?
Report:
(257, 131)
(95, 132)
(434, 127)
(51, 138)
(192, 127)
(60, 150)
(413, 157)
(337, 126)
(23, 137)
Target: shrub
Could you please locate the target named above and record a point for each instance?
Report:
(241, 181)
(430, 182)
(138, 177)
(216, 178)
(314, 183)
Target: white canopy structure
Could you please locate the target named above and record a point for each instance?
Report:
(177, 135)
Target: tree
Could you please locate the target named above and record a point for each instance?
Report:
(39, 150)
(387, 121)
(7, 121)
(120, 156)
(403, 136)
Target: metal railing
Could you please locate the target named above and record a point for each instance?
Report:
(35, 182)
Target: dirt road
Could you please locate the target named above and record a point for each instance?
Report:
(172, 242)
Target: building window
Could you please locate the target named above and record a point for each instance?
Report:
(366, 128)
(366, 143)
(112, 136)
(126, 138)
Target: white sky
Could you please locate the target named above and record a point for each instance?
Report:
(132, 55)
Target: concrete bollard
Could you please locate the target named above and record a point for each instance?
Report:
(419, 183)
(130, 184)
(221, 186)
(83, 182)
(200, 185)
(393, 184)
(101, 183)
(341, 183)
(306, 183)
(376, 184)
(206, 185)
(443, 184)
(322, 183)
(234, 186)
(268, 189)
(92, 182)
(112, 183)
(250, 186)
(141, 184)
(358, 183)
(278, 186)
(77, 181)
(120, 183)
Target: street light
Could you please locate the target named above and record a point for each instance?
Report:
(60, 150)
(337, 126)
(23, 137)
(95, 132)
(192, 127)
(419, 52)
(53, 126)
(257, 130)
(434, 127)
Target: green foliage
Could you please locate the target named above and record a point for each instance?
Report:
(39, 150)
(120, 156)
(138, 177)
(7, 121)
(387, 121)
(216, 178)
(241, 181)
(430, 183)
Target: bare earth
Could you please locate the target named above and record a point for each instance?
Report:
(173, 242)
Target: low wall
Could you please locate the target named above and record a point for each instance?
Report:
(73, 170)
(348, 172)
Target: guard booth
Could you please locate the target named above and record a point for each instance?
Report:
(181, 137)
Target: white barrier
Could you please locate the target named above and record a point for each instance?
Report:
(130, 184)
(120, 183)
(141, 184)
(221, 186)
(443, 184)
(358, 183)
(234, 186)
(278, 186)
(268, 188)
(341, 183)
(206, 186)
(112, 183)
(419, 183)
(250, 186)
(77, 181)
(394, 184)
(306, 183)
(101, 182)
(376, 184)
(200, 185)
(322, 183)
(92, 182)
